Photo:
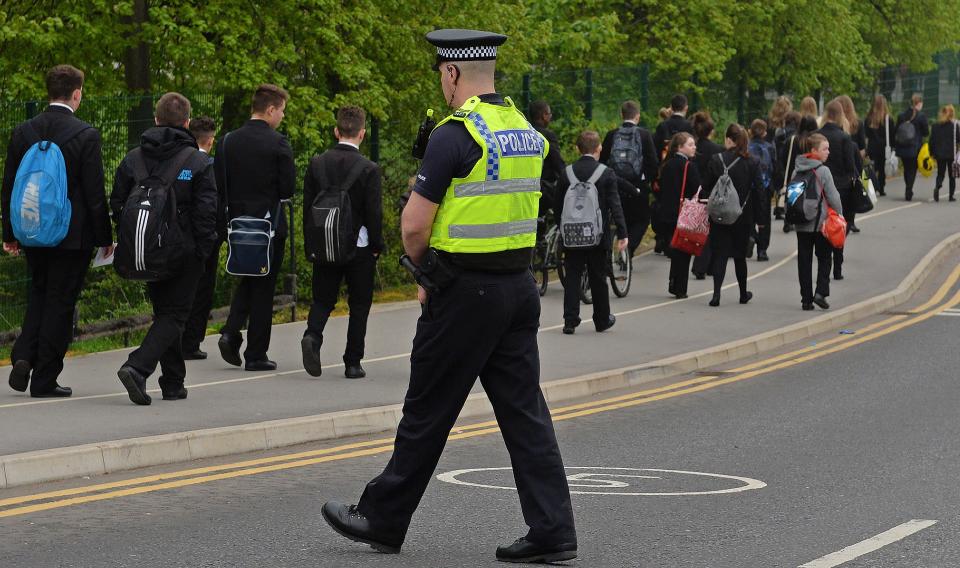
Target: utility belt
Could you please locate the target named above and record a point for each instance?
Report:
(435, 273)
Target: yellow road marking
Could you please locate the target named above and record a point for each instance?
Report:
(373, 447)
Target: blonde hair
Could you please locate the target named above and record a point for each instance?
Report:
(778, 111)
(808, 106)
(850, 112)
(947, 114)
(878, 112)
(833, 112)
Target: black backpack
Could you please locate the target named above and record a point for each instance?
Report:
(626, 155)
(804, 186)
(329, 234)
(150, 243)
(906, 134)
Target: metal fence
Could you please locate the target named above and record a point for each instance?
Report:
(578, 98)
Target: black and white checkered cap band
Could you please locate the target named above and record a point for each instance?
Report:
(472, 53)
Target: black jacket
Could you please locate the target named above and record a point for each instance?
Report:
(923, 130)
(877, 140)
(671, 182)
(365, 194)
(943, 135)
(90, 219)
(669, 127)
(786, 156)
(842, 161)
(196, 191)
(610, 207)
(706, 149)
(650, 153)
(553, 163)
(255, 170)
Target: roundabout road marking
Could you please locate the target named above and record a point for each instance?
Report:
(601, 478)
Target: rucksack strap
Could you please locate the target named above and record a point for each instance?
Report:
(683, 185)
(786, 167)
(169, 174)
(571, 177)
(595, 177)
(726, 168)
(323, 177)
(226, 174)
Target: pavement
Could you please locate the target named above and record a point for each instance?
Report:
(839, 450)
(231, 411)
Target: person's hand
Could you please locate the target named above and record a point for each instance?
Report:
(421, 294)
(622, 244)
(107, 251)
(12, 249)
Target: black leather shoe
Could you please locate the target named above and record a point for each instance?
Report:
(746, 297)
(261, 365)
(20, 375)
(569, 329)
(854, 229)
(787, 227)
(821, 301)
(700, 275)
(524, 551)
(715, 300)
(762, 256)
(175, 394)
(838, 276)
(56, 392)
(354, 372)
(680, 296)
(136, 385)
(349, 522)
(806, 306)
(310, 350)
(229, 345)
(611, 319)
(194, 355)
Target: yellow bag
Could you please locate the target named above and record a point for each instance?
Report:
(925, 162)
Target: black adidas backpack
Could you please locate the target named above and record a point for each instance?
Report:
(150, 243)
(329, 235)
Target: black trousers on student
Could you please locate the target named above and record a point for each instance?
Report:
(358, 274)
(909, 174)
(484, 325)
(636, 212)
(595, 262)
(56, 279)
(252, 306)
(196, 327)
(943, 170)
(807, 245)
(172, 300)
(763, 224)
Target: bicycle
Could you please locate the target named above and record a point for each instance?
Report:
(619, 271)
(547, 256)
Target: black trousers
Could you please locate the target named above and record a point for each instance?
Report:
(483, 325)
(252, 306)
(848, 198)
(636, 211)
(595, 262)
(196, 327)
(679, 272)
(943, 170)
(358, 274)
(807, 245)
(56, 279)
(880, 177)
(172, 300)
(703, 264)
(720, 272)
(909, 173)
(763, 223)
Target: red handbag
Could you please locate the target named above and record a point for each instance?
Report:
(835, 228)
(693, 222)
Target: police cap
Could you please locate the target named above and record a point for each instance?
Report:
(465, 45)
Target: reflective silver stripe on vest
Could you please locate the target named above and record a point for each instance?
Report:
(493, 230)
(497, 187)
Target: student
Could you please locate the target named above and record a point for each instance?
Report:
(553, 164)
(343, 168)
(634, 187)
(730, 241)
(943, 147)
(842, 162)
(858, 133)
(787, 152)
(255, 170)
(56, 273)
(765, 155)
(168, 144)
(880, 130)
(676, 123)
(678, 176)
(809, 238)
(703, 129)
(808, 107)
(908, 140)
(204, 130)
(776, 120)
(595, 259)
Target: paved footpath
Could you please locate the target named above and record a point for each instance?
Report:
(651, 325)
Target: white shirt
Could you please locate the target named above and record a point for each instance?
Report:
(66, 106)
(351, 144)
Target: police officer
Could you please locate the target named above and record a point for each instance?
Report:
(472, 216)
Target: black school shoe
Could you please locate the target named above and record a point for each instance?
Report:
(347, 521)
(524, 551)
(310, 353)
(194, 354)
(261, 365)
(20, 375)
(354, 371)
(178, 394)
(821, 301)
(611, 319)
(229, 345)
(136, 385)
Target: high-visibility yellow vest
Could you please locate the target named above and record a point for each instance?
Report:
(495, 207)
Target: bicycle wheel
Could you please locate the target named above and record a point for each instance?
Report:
(586, 294)
(539, 267)
(621, 272)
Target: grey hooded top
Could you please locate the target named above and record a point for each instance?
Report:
(831, 195)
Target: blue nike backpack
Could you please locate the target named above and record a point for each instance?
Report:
(39, 205)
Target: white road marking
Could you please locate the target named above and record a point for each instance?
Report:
(407, 355)
(891, 536)
(595, 474)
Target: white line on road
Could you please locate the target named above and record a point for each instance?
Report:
(871, 544)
